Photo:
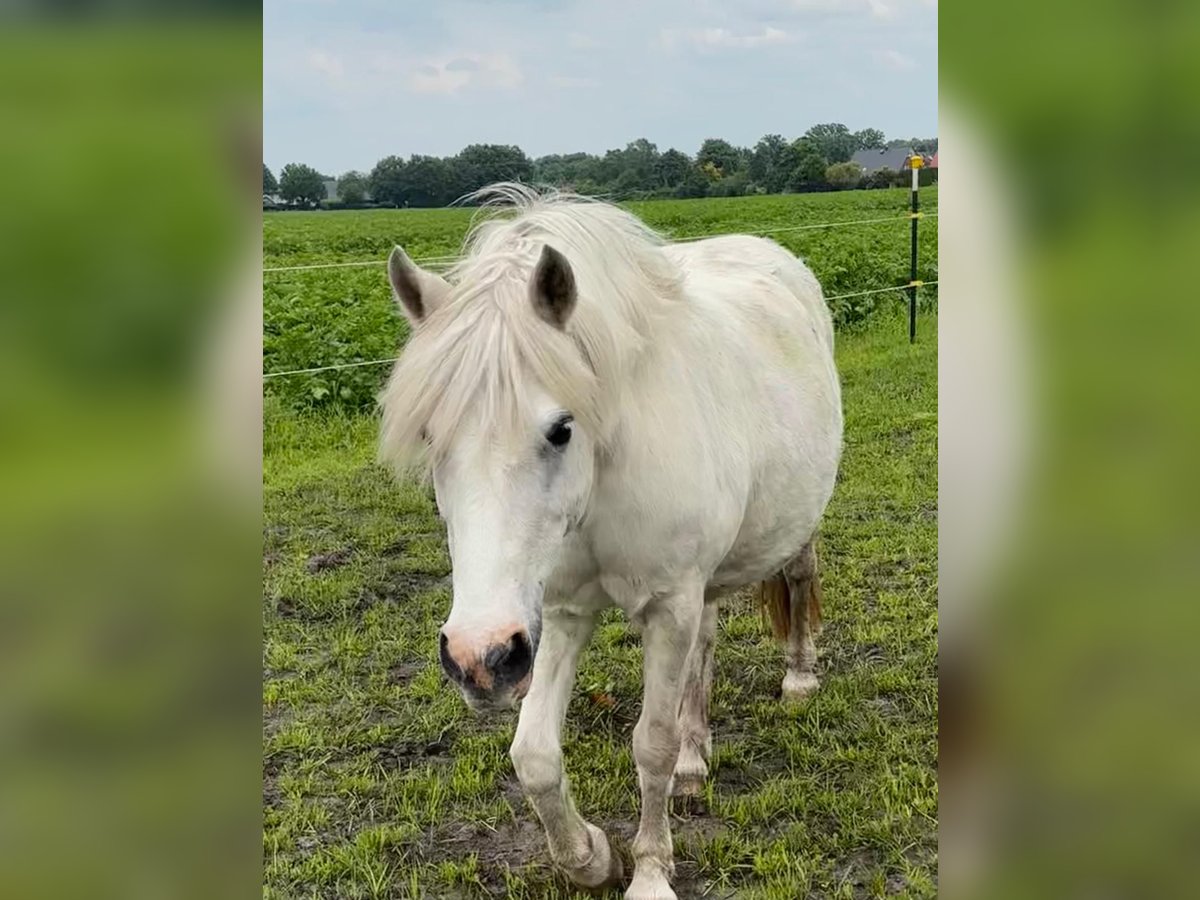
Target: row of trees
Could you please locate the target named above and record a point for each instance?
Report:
(818, 160)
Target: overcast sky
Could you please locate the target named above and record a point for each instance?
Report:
(346, 82)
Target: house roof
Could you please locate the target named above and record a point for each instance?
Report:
(873, 160)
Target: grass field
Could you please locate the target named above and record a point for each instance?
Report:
(326, 316)
(378, 782)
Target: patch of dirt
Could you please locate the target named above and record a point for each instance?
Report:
(272, 766)
(408, 755)
(523, 843)
(886, 706)
(398, 588)
(887, 569)
(511, 789)
(400, 548)
(402, 585)
(271, 793)
(404, 672)
(858, 869)
(895, 884)
(514, 844)
(319, 562)
(275, 763)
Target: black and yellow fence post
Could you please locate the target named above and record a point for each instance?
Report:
(915, 162)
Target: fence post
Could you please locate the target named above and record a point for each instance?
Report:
(915, 162)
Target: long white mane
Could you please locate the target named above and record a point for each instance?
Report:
(485, 344)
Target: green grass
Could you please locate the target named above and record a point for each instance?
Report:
(379, 783)
(328, 316)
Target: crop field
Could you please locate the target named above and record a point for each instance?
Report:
(378, 782)
(320, 317)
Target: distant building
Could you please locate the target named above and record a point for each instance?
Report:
(331, 189)
(895, 159)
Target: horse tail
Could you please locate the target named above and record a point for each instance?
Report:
(776, 599)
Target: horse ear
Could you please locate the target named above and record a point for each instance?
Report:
(553, 289)
(418, 292)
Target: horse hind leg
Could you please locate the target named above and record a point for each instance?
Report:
(695, 739)
(793, 602)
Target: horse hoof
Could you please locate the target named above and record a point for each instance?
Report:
(799, 686)
(604, 869)
(650, 886)
(689, 785)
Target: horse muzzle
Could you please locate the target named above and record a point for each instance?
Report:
(493, 672)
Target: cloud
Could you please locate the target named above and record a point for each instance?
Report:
(724, 39)
(877, 9)
(572, 81)
(896, 61)
(466, 70)
(326, 64)
(434, 80)
(579, 41)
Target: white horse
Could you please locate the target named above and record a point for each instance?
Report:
(611, 419)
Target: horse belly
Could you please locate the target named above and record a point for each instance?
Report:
(771, 534)
(787, 499)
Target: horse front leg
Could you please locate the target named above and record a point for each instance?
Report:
(670, 632)
(578, 847)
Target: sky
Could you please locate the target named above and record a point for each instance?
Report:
(347, 82)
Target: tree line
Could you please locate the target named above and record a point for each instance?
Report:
(818, 160)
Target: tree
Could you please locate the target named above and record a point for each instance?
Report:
(765, 156)
(640, 157)
(833, 141)
(303, 184)
(694, 184)
(386, 181)
(722, 155)
(563, 170)
(479, 165)
(627, 185)
(773, 161)
(921, 145)
(882, 178)
(844, 176)
(352, 188)
(733, 186)
(869, 139)
(672, 168)
(809, 174)
(430, 181)
(270, 185)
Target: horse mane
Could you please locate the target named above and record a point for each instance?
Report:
(486, 344)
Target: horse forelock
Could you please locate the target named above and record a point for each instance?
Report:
(487, 345)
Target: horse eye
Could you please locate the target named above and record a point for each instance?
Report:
(560, 432)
